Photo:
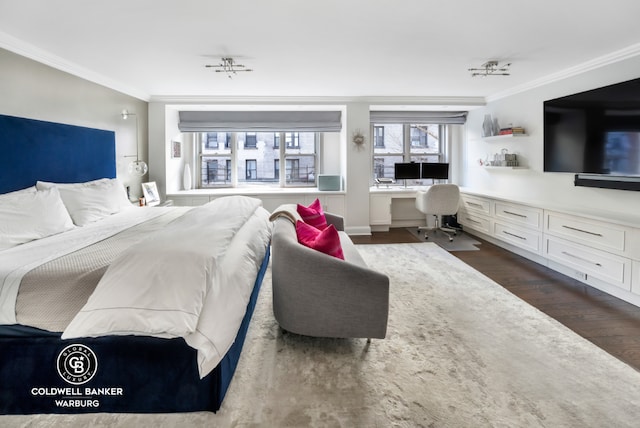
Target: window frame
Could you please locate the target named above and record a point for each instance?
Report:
(409, 152)
(232, 155)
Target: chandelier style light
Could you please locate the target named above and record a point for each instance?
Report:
(137, 167)
(490, 68)
(229, 66)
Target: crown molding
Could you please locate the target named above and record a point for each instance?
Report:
(30, 51)
(375, 101)
(602, 61)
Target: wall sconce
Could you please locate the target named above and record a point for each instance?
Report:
(138, 167)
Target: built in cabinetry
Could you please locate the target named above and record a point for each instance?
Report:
(600, 251)
(394, 207)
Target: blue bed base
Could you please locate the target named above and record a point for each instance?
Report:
(134, 374)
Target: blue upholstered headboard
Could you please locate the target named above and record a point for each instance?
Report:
(32, 150)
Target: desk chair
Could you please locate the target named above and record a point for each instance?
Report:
(438, 200)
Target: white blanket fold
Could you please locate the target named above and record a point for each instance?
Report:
(193, 280)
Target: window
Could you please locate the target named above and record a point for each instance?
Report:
(300, 158)
(419, 136)
(211, 172)
(215, 159)
(213, 139)
(293, 169)
(250, 140)
(406, 142)
(292, 140)
(251, 169)
(253, 158)
(378, 136)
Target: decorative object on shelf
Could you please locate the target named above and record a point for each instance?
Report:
(358, 139)
(504, 158)
(512, 130)
(491, 68)
(138, 167)
(229, 66)
(176, 149)
(487, 126)
(186, 178)
(495, 127)
(150, 192)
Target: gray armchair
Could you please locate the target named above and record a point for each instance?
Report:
(315, 294)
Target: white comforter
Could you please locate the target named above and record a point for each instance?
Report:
(192, 280)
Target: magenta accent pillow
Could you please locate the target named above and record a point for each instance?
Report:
(326, 241)
(313, 214)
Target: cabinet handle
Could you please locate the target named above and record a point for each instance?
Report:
(473, 204)
(581, 230)
(581, 258)
(515, 214)
(473, 221)
(514, 235)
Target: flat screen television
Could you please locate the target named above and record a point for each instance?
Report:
(434, 170)
(594, 132)
(406, 171)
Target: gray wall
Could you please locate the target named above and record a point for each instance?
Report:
(36, 91)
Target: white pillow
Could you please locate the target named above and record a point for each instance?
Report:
(91, 201)
(28, 215)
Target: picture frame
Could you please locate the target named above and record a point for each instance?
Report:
(150, 192)
(176, 149)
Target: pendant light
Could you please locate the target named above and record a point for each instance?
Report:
(137, 167)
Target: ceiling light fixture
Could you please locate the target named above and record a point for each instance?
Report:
(491, 68)
(229, 66)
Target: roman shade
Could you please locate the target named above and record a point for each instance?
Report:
(260, 121)
(419, 117)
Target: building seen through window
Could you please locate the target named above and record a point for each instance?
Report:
(257, 157)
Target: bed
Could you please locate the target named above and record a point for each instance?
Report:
(107, 307)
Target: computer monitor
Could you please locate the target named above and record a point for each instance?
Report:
(435, 171)
(406, 171)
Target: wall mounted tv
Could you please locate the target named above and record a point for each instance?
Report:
(596, 135)
(406, 171)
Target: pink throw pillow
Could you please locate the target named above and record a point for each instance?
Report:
(326, 240)
(313, 214)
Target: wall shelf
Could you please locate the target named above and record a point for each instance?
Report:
(504, 167)
(504, 137)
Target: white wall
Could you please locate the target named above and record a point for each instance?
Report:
(36, 91)
(532, 184)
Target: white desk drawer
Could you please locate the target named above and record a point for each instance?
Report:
(519, 214)
(608, 267)
(475, 204)
(527, 239)
(473, 221)
(596, 234)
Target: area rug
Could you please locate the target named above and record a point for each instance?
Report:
(460, 351)
(461, 241)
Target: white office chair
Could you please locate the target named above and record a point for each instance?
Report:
(438, 200)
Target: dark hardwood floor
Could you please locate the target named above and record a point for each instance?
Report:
(608, 322)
